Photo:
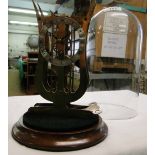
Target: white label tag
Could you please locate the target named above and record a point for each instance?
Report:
(115, 32)
(116, 22)
(113, 45)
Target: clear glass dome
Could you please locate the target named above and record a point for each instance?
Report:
(114, 47)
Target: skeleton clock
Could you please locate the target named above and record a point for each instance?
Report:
(60, 125)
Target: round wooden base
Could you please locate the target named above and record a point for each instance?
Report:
(59, 141)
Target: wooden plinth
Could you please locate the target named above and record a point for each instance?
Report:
(59, 141)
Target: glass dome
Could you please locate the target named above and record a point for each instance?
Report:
(114, 47)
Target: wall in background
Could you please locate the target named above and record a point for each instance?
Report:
(17, 44)
(18, 35)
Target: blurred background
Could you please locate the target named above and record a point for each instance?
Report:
(23, 45)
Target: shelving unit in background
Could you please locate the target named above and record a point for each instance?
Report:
(31, 72)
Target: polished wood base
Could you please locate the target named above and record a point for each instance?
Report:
(59, 141)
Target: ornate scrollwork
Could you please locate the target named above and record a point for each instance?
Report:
(62, 47)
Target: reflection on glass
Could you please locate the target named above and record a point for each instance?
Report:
(114, 47)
